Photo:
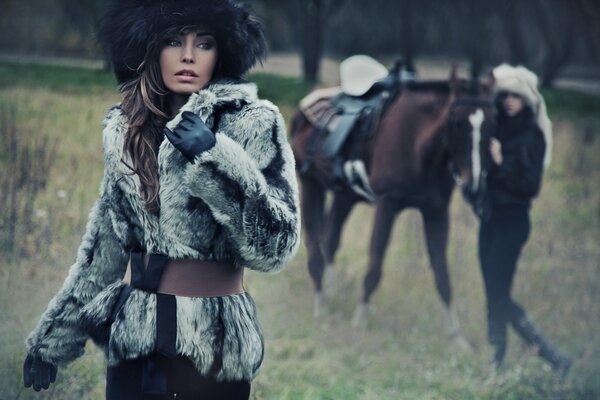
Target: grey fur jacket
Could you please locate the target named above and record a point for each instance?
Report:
(237, 201)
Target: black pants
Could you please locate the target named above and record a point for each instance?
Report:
(501, 239)
(124, 382)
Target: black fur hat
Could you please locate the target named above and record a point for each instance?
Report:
(128, 26)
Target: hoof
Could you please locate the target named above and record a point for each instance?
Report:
(462, 343)
(453, 329)
(319, 304)
(561, 368)
(329, 281)
(361, 315)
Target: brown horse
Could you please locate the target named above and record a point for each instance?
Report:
(423, 144)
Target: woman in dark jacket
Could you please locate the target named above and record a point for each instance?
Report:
(199, 183)
(520, 150)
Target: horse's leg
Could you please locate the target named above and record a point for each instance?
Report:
(313, 204)
(436, 234)
(384, 220)
(341, 206)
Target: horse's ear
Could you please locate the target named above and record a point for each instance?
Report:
(453, 79)
(490, 81)
(453, 73)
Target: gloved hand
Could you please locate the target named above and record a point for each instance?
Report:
(191, 136)
(38, 373)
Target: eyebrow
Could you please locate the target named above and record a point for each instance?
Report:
(199, 34)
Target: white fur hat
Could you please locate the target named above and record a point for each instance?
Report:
(523, 82)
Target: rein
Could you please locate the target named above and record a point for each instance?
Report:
(471, 102)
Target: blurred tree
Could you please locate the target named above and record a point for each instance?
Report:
(309, 21)
(474, 33)
(556, 23)
(511, 13)
(590, 16)
(545, 35)
(82, 17)
(411, 26)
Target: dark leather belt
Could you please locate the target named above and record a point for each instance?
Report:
(156, 273)
(189, 278)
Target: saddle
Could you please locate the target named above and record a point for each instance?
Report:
(346, 117)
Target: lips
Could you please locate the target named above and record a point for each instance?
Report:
(187, 72)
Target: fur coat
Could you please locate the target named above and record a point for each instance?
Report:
(237, 201)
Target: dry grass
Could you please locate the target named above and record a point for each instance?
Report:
(403, 354)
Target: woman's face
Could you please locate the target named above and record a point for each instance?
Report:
(512, 104)
(187, 61)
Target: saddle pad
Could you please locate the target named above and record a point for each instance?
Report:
(316, 106)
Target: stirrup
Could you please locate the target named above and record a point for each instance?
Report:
(356, 176)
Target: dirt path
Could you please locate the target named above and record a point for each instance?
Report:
(289, 64)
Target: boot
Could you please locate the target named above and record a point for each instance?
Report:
(528, 331)
(497, 339)
(498, 354)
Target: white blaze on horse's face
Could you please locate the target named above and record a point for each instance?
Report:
(476, 120)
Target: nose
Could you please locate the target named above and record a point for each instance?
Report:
(187, 55)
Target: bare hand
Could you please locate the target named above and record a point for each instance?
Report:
(496, 151)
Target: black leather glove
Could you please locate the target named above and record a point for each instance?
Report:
(191, 136)
(38, 373)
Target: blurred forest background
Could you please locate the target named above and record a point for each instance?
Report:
(51, 164)
(552, 37)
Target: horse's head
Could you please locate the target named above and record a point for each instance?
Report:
(470, 127)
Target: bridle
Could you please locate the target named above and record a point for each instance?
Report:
(478, 199)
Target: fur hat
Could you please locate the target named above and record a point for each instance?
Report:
(128, 26)
(524, 83)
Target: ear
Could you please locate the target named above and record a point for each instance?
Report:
(453, 73)
(453, 79)
(490, 81)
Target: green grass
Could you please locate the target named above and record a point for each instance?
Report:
(403, 353)
(56, 78)
(76, 80)
(574, 104)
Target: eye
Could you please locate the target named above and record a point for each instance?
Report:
(206, 44)
(172, 42)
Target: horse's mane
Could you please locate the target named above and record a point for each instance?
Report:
(431, 85)
(465, 87)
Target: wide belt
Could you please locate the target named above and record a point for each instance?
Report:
(156, 273)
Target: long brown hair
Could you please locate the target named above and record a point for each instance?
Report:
(145, 104)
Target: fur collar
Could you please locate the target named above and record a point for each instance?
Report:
(224, 93)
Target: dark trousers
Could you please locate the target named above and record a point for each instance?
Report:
(124, 382)
(501, 239)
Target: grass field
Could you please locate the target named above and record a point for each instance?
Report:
(403, 353)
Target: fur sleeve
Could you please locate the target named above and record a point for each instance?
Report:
(248, 180)
(101, 260)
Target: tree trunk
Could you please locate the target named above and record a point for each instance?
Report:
(312, 38)
(475, 35)
(509, 15)
(559, 44)
(410, 29)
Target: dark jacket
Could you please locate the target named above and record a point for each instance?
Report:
(518, 179)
